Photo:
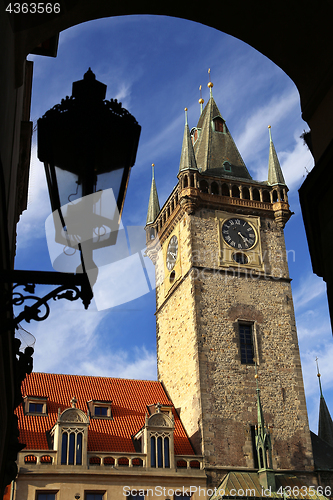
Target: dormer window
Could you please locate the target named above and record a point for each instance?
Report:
(218, 124)
(69, 436)
(100, 409)
(227, 166)
(158, 432)
(194, 135)
(35, 405)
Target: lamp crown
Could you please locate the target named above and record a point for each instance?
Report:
(89, 89)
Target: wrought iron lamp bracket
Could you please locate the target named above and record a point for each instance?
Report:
(70, 286)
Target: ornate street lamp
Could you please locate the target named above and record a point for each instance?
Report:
(88, 146)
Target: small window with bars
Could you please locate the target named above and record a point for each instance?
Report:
(246, 343)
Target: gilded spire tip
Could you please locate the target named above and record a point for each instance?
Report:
(318, 375)
(210, 84)
(201, 101)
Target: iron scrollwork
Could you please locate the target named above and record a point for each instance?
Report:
(71, 287)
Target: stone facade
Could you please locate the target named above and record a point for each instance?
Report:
(199, 353)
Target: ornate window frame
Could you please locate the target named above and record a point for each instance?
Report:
(72, 422)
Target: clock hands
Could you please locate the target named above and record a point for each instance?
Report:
(243, 237)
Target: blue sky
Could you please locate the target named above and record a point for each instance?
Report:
(154, 66)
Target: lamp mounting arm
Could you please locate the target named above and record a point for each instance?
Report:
(70, 286)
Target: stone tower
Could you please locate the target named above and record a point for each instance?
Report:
(224, 304)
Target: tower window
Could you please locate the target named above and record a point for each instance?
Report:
(226, 166)
(218, 122)
(246, 343)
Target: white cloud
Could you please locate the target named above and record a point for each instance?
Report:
(68, 342)
(139, 364)
(255, 133)
(310, 288)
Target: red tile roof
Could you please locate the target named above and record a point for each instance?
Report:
(129, 407)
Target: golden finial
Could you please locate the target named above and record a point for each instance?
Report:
(318, 375)
(210, 84)
(185, 109)
(201, 101)
(256, 376)
(153, 170)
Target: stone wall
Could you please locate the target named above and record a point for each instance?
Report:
(199, 353)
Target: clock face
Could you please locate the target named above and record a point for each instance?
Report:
(172, 251)
(238, 233)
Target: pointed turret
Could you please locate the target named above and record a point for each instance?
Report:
(325, 423)
(153, 205)
(275, 175)
(263, 446)
(215, 150)
(187, 159)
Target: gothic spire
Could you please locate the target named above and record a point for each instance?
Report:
(187, 158)
(325, 424)
(153, 205)
(215, 150)
(275, 175)
(263, 438)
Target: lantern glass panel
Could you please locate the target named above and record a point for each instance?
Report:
(68, 186)
(112, 180)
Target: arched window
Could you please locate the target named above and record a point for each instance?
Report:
(194, 135)
(166, 453)
(256, 194)
(261, 458)
(246, 193)
(185, 183)
(71, 448)
(225, 190)
(275, 196)
(218, 123)
(265, 196)
(64, 448)
(68, 436)
(192, 180)
(160, 427)
(215, 188)
(235, 192)
(204, 186)
(160, 452)
(153, 451)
